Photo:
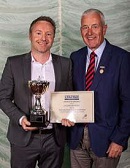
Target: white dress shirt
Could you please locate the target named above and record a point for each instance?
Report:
(46, 73)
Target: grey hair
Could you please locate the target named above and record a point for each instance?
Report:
(92, 10)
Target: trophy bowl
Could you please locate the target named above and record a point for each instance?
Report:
(38, 115)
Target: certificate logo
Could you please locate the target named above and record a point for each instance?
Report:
(71, 97)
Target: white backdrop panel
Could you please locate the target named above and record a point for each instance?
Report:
(15, 19)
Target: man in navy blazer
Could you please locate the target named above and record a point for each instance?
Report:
(102, 142)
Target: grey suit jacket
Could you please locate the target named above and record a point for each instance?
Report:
(15, 96)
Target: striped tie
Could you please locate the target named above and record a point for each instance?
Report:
(90, 71)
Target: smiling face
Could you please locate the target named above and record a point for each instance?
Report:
(92, 30)
(42, 37)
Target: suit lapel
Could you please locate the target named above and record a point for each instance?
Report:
(57, 71)
(81, 69)
(27, 67)
(27, 76)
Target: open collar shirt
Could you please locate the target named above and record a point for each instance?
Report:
(44, 72)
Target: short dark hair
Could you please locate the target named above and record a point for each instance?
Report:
(43, 18)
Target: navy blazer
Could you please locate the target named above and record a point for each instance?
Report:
(111, 98)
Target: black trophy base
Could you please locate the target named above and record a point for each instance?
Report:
(38, 120)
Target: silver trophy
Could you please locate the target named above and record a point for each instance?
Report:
(38, 115)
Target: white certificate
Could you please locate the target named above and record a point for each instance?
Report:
(77, 106)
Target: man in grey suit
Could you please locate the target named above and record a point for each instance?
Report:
(30, 145)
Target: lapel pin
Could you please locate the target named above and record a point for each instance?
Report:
(102, 68)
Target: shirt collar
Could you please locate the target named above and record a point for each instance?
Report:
(99, 50)
(48, 61)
